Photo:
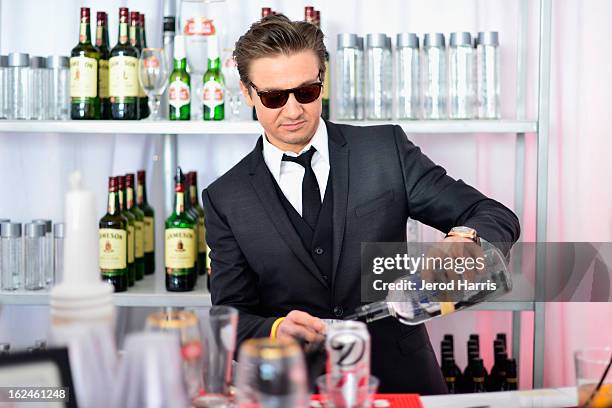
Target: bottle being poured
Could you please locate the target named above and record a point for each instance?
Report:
(445, 291)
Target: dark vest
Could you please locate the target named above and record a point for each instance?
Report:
(319, 242)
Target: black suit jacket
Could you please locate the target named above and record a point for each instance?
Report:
(260, 266)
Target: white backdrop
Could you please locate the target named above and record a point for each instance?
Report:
(34, 168)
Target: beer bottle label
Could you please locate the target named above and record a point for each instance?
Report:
(123, 77)
(149, 237)
(212, 94)
(113, 248)
(179, 94)
(83, 77)
(103, 79)
(180, 248)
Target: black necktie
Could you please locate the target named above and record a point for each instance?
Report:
(311, 196)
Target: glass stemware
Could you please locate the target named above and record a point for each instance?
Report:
(232, 82)
(153, 72)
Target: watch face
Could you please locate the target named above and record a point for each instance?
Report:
(465, 230)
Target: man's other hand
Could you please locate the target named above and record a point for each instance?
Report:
(298, 324)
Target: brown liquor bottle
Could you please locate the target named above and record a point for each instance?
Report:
(103, 46)
(138, 226)
(131, 227)
(84, 100)
(123, 74)
(113, 238)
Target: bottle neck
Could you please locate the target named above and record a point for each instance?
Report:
(121, 200)
(180, 64)
(130, 197)
(114, 206)
(84, 32)
(179, 200)
(141, 194)
(143, 37)
(123, 33)
(101, 36)
(193, 195)
(134, 36)
(214, 64)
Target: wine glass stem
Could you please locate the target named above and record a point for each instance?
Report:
(154, 107)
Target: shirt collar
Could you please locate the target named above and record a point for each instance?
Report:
(273, 156)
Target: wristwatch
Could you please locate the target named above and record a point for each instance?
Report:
(465, 232)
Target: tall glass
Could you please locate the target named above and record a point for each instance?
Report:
(591, 365)
(271, 373)
(232, 82)
(184, 325)
(218, 326)
(153, 76)
(35, 251)
(4, 87)
(18, 87)
(435, 86)
(11, 254)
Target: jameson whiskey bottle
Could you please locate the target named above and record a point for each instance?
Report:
(84, 101)
(180, 243)
(213, 98)
(179, 91)
(113, 241)
(138, 226)
(149, 224)
(103, 46)
(123, 74)
(192, 181)
(130, 237)
(313, 16)
(136, 42)
(144, 99)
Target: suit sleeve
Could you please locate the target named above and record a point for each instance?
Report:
(438, 200)
(232, 282)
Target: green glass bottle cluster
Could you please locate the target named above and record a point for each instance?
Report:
(126, 234)
(104, 82)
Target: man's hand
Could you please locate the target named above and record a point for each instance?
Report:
(299, 324)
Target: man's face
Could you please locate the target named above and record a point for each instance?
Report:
(290, 127)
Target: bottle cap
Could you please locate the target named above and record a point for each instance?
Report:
(488, 38)
(179, 47)
(434, 40)
(34, 230)
(3, 61)
(58, 230)
(347, 40)
(461, 38)
(169, 24)
(47, 223)
(57, 61)
(10, 230)
(18, 59)
(407, 40)
(376, 41)
(38, 62)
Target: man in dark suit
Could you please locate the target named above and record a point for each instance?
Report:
(286, 223)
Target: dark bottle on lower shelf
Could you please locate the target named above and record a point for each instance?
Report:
(149, 223)
(497, 376)
(180, 243)
(131, 230)
(478, 376)
(511, 381)
(113, 238)
(450, 374)
(192, 181)
(138, 214)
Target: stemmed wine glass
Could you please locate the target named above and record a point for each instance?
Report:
(153, 74)
(232, 82)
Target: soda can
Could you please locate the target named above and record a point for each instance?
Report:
(348, 363)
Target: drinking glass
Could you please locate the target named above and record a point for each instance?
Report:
(591, 374)
(184, 326)
(271, 374)
(332, 397)
(232, 82)
(153, 75)
(218, 330)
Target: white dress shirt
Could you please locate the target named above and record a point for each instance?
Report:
(289, 175)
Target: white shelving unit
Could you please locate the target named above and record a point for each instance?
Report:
(150, 293)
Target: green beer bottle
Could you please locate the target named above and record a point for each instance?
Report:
(213, 91)
(179, 91)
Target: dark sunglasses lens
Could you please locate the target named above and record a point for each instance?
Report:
(274, 100)
(308, 93)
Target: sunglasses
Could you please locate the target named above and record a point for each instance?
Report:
(278, 98)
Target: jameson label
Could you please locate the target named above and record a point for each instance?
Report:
(103, 79)
(130, 244)
(201, 235)
(180, 248)
(179, 94)
(112, 248)
(149, 237)
(139, 239)
(123, 77)
(212, 95)
(83, 77)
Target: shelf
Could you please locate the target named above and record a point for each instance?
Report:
(146, 293)
(251, 127)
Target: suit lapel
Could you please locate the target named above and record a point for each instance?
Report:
(262, 183)
(339, 174)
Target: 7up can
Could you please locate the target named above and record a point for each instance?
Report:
(348, 363)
